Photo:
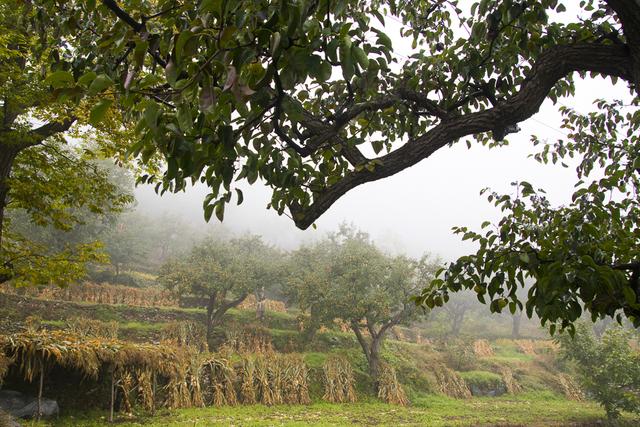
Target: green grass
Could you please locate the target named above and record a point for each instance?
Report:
(481, 378)
(508, 353)
(540, 409)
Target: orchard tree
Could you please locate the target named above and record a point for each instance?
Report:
(580, 257)
(310, 97)
(43, 178)
(346, 277)
(221, 273)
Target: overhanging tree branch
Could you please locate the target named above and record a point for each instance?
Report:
(553, 65)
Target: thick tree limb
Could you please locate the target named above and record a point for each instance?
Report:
(47, 130)
(628, 11)
(363, 343)
(550, 67)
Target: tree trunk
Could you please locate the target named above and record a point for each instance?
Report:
(515, 324)
(457, 319)
(7, 157)
(40, 387)
(260, 304)
(374, 360)
(371, 350)
(210, 313)
(113, 395)
(215, 314)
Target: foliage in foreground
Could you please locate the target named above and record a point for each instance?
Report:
(609, 367)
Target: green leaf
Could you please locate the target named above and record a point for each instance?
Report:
(171, 72)
(208, 211)
(360, 56)
(629, 295)
(183, 38)
(274, 44)
(99, 84)
(60, 79)
(99, 111)
(220, 210)
(86, 79)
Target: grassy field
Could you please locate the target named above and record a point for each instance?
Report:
(530, 409)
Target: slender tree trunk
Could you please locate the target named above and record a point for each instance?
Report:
(457, 320)
(154, 390)
(260, 304)
(515, 324)
(40, 388)
(113, 395)
(210, 312)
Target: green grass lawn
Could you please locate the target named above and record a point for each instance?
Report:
(536, 409)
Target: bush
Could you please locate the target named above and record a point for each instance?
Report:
(459, 356)
(609, 368)
(484, 383)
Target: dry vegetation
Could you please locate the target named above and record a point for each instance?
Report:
(339, 381)
(98, 294)
(389, 388)
(450, 383)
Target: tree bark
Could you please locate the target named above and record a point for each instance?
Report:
(8, 155)
(371, 349)
(216, 309)
(113, 395)
(40, 388)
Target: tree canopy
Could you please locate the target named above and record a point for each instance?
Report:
(222, 273)
(346, 277)
(310, 97)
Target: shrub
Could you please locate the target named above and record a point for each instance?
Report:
(609, 368)
(484, 383)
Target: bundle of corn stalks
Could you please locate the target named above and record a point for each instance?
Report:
(86, 327)
(274, 379)
(144, 379)
(571, 390)
(34, 351)
(509, 382)
(450, 383)
(295, 379)
(267, 384)
(99, 294)
(389, 389)
(250, 303)
(248, 383)
(338, 380)
(218, 379)
(526, 346)
(248, 340)
(482, 348)
(186, 334)
(125, 383)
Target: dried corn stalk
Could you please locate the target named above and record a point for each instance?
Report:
(450, 383)
(389, 388)
(338, 380)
